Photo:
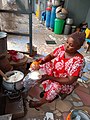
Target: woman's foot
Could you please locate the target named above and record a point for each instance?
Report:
(63, 95)
(34, 104)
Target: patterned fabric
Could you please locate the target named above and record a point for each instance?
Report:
(61, 67)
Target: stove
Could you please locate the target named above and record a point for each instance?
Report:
(15, 107)
(14, 101)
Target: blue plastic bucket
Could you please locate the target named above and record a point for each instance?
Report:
(48, 16)
(53, 16)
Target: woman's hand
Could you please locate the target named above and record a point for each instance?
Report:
(3, 75)
(44, 77)
(34, 65)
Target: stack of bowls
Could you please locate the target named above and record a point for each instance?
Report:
(61, 13)
(68, 26)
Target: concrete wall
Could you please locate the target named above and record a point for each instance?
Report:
(88, 18)
(78, 10)
(4, 2)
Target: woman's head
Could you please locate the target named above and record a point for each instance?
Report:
(74, 42)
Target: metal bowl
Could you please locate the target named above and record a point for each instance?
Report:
(60, 15)
(64, 10)
(69, 21)
(58, 9)
(79, 115)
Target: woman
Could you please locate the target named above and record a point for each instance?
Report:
(61, 69)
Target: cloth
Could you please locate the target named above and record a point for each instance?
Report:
(61, 67)
(79, 37)
(15, 56)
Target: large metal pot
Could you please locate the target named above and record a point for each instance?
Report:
(14, 81)
(3, 43)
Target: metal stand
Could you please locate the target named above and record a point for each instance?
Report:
(29, 12)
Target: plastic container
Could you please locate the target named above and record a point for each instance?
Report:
(59, 25)
(67, 29)
(48, 16)
(60, 15)
(53, 16)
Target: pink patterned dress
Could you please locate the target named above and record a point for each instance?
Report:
(61, 67)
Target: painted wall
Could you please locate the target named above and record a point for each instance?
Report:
(78, 10)
(88, 18)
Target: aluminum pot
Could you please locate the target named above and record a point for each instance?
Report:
(69, 21)
(14, 81)
(61, 15)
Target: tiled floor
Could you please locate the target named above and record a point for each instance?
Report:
(79, 99)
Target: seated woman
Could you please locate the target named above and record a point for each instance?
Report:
(61, 69)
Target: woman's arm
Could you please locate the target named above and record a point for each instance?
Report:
(35, 64)
(68, 80)
(47, 58)
(3, 75)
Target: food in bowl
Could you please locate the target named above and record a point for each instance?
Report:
(14, 76)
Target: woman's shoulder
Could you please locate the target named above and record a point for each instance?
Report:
(58, 50)
(80, 55)
(61, 47)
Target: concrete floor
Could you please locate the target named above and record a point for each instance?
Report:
(79, 99)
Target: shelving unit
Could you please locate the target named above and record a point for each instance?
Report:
(27, 12)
